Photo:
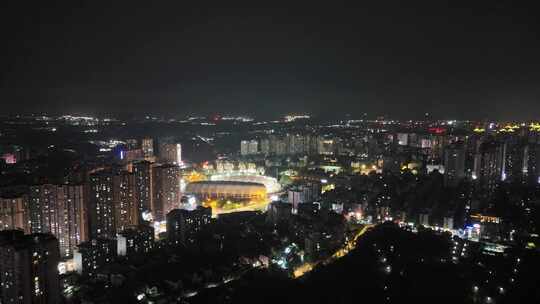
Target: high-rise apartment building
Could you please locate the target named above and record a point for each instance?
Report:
(147, 146)
(171, 153)
(249, 147)
(515, 160)
(91, 255)
(183, 225)
(532, 161)
(14, 213)
(126, 213)
(29, 268)
(265, 146)
(166, 190)
(143, 186)
(290, 144)
(326, 146)
(295, 144)
(489, 164)
(136, 240)
(101, 206)
(60, 210)
(454, 164)
(113, 203)
(305, 193)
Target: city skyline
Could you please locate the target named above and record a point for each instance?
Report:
(188, 152)
(216, 117)
(239, 199)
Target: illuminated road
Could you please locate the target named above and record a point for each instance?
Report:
(343, 251)
(349, 246)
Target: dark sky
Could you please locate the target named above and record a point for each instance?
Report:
(404, 58)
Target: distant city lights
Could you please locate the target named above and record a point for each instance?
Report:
(290, 118)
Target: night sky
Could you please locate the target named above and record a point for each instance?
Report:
(396, 58)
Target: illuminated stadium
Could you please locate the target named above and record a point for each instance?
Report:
(227, 190)
(271, 184)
